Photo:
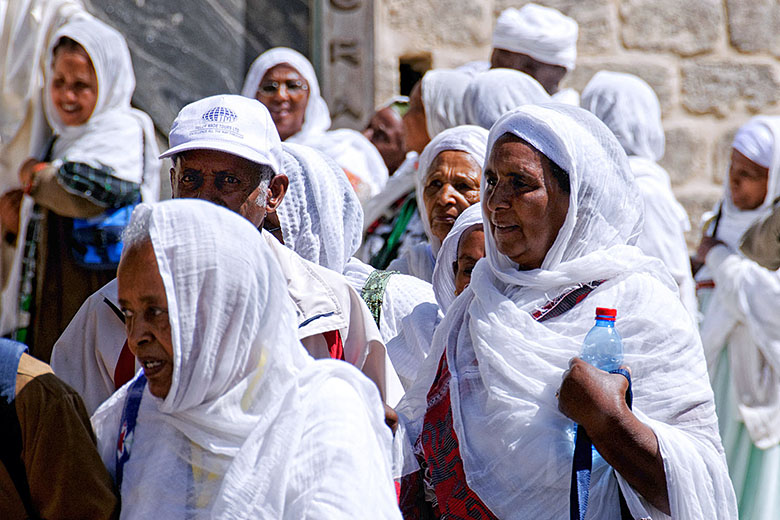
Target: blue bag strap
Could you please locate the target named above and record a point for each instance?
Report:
(583, 462)
(10, 353)
(127, 426)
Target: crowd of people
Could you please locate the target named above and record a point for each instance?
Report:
(324, 323)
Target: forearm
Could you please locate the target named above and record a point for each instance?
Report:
(374, 367)
(48, 193)
(631, 448)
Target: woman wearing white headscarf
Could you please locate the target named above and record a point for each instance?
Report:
(235, 420)
(740, 328)
(447, 183)
(444, 283)
(630, 108)
(493, 93)
(560, 212)
(301, 116)
(82, 187)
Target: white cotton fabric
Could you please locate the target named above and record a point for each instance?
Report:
(493, 93)
(443, 276)
(349, 148)
(113, 120)
(320, 214)
(740, 313)
(567, 96)
(506, 367)
(420, 259)
(755, 141)
(630, 108)
(252, 426)
(86, 354)
(401, 183)
(540, 32)
(442, 97)
(408, 317)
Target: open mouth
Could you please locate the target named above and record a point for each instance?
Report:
(69, 109)
(152, 367)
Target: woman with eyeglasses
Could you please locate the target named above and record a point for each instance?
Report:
(284, 81)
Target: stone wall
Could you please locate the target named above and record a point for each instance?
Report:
(713, 63)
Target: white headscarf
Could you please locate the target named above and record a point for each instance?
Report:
(493, 93)
(758, 140)
(227, 438)
(442, 97)
(320, 214)
(443, 276)
(350, 149)
(506, 367)
(540, 32)
(466, 138)
(630, 108)
(113, 120)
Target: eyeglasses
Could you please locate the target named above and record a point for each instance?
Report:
(272, 87)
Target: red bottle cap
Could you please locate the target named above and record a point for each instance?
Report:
(604, 313)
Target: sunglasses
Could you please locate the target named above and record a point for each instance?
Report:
(272, 87)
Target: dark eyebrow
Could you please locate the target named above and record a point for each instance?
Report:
(149, 299)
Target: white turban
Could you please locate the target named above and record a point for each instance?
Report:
(467, 138)
(542, 33)
(630, 108)
(493, 93)
(442, 97)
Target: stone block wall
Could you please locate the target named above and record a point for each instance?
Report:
(713, 64)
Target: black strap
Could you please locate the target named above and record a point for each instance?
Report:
(582, 464)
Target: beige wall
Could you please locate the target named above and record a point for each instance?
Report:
(713, 63)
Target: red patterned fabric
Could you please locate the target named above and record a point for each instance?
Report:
(335, 346)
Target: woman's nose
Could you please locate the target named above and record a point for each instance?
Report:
(497, 198)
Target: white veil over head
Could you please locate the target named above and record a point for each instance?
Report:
(320, 215)
(442, 97)
(493, 93)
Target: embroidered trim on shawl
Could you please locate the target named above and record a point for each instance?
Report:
(373, 292)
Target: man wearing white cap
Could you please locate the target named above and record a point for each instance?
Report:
(225, 149)
(539, 41)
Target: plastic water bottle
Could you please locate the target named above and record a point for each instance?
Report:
(602, 348)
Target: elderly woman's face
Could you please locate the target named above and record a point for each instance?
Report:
(524, 203)
(74, 87)
(285, 92)
(471, 247)
(451, 186)
(415, 128)
(748, 182)
(145, 306)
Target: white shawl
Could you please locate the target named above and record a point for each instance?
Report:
(493, 93)
(320, 215)
(442, 97)
(419, 260)
(115, 135)
(252, 427)
(350, 149)
(506, 367)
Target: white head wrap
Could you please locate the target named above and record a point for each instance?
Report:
(113, 120)
(493, 93)
(540, 32)
(350, 149)
(467, 138)
(443, 276)
(320, 214)
(759, 141)
(243, 388)
(630, 108)
(317, 118)
(442, 97)
(506, 366)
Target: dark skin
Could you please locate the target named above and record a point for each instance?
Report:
(471, 247)
(386, 131)
(287, 104)
(526, 207)
(415, 127)
(451, 185)
(549, 76)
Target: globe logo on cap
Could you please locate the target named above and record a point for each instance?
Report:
(220, 115)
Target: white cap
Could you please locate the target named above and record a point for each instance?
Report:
(226, 123)
(542, 33)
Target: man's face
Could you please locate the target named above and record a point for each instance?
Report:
(386, 131)
(219, 177)
(549, 76)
